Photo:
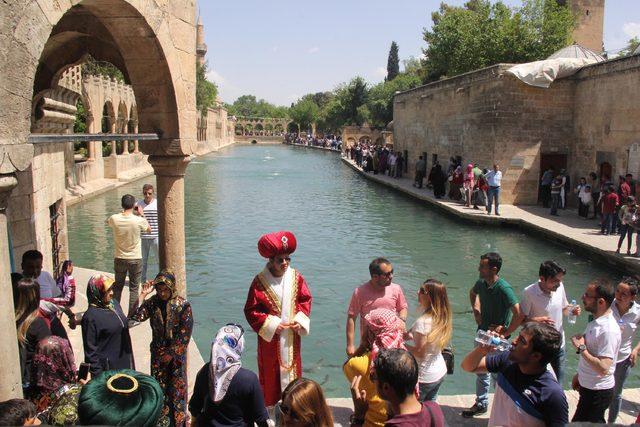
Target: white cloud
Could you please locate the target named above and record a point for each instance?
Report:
(226, 90)
(275, 49)
(313, 50)
(214, 76)
(631, 29)
(380, 72)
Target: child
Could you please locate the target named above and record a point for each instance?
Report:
(18, 412)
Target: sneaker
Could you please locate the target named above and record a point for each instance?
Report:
(474, 410)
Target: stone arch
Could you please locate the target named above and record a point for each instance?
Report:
(133, 120)
(123, 118)
(239, 129)
(364, 139)
(103, 30)
(108, 117)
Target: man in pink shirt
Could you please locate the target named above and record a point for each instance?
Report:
(379, 292)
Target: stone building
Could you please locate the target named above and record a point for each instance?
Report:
(589, 25)
(584, 123)
(42, 39)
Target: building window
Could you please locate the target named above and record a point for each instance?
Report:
(54, 215)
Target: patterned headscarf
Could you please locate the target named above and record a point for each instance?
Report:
(226, 351)
(97, 287)
(166, 277)
(385, 330)
(53, 365)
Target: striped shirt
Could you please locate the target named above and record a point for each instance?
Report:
(151, 215)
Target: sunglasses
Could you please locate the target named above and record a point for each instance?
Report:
(388, 273)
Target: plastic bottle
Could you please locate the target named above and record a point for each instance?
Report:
(483, 337)
(571, 318)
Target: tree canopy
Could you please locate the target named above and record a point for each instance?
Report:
(480, 34)
(250, 106)
(206, 91)
(393, 62)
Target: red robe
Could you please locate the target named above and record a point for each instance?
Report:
(263, 312)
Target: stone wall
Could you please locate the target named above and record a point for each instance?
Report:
(39, 187)
(488, 116)
(607, 117)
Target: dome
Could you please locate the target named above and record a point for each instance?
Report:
(577, 51)
(637, 51)
(390, 125)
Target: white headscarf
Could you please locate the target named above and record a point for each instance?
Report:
(226, 351)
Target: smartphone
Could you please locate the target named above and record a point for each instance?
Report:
(83, 372)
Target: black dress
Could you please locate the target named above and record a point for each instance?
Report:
(37, 331)
(243, 405)
(106, 340)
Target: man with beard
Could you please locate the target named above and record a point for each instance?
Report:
(598, 349)
(546, 301)
(527, 394)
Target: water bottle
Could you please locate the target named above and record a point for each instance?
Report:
(484, 337)
(571, 318)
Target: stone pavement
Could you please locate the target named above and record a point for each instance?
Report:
(568, 229)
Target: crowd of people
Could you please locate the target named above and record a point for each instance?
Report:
(377, 159)
(328, 141)
(394, 370)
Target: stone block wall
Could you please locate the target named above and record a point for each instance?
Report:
(39, 187)
(607, 117)
(488, 116)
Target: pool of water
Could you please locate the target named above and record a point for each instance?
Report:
(342, 221)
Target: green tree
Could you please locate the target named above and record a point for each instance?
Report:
(393, 62)
(206, 91)
(250, 106)
(102, 68)
(380, 100)
(304, 113)
(480, 34)
(632, 45)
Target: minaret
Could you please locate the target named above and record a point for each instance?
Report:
(589, 26)
(201, 46)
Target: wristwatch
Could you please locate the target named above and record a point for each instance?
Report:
(581, 348)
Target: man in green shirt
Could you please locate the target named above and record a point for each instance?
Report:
(495, 307)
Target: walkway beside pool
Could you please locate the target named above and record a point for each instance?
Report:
(580, 236)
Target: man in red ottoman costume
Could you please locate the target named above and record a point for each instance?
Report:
(278, 308)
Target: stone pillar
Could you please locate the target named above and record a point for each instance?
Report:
(91, 148)
(313, 130)
(112, 129)
(135, 142)
(170, 171)
(11, 382)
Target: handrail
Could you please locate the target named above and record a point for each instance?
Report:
(41, 138)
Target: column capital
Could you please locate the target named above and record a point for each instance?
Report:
(7, 184)
(170, 165)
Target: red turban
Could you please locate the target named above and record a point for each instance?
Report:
(279, 243)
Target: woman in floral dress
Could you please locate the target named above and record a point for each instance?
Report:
(171, 325)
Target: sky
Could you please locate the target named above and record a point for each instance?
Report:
(280, 50)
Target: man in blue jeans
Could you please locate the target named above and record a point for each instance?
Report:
(494, 179)
(498, 311)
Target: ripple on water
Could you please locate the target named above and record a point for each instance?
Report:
(341, 221)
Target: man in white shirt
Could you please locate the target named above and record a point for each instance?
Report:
(494, 179)
(149, 207)
(546, 302)
(127, 248)
(598, 349)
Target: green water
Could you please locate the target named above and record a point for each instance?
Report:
(342, 221)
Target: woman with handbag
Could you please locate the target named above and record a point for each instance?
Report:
(431, 333)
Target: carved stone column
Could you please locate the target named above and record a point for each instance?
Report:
(112, 129)
(135, 142)
(11, 382)
(91, 147)
(170, 171)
